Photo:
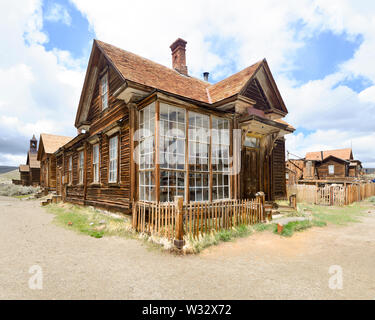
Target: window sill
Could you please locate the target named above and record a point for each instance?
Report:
(95, 184)
(114, 184)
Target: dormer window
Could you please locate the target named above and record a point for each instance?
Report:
(104, 91)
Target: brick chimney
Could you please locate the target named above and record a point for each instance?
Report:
(178, 56)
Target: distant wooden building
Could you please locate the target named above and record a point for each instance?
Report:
(149, 133)
(294, 170)
(30, 172)
(48, 145)
(331, 165)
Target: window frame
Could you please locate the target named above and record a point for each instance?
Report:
(115, 160)
(147, 192)
(331, 166)
(81, 166)
(105, 78)
(217, 174)
(179, 173)
(70, 170)
(194, 139)
(95, 164)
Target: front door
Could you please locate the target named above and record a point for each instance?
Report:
(249, 172)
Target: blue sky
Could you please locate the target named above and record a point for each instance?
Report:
(73, 35)
(319, 54)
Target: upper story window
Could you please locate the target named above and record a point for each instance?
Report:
(95, 162)
(104, 91)
(113, 159)
(331, 169)
(80, 167)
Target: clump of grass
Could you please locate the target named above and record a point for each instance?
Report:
(260, 227)
(371, 199)
(90, 221)
(12, 190)
(296, 226)
(338, 215)
(214, 238)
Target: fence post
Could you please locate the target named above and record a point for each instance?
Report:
(134, 214)
(260, 198)
(179, 236)
(293, 201)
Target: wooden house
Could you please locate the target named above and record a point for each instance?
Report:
(48, 145)
(294, 170)
(30, 172)
(331, 165)
(148, 133)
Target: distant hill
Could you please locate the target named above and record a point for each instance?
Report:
(5, 169)
(8, 176)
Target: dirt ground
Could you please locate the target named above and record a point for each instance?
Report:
(262, 266)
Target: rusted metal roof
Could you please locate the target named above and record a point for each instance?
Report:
(344, 154)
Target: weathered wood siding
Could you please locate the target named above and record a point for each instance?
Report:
(103, 194)
(278, 169)
(340, 169)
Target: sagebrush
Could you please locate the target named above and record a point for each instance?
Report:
(11, 190)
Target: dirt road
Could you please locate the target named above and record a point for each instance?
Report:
(262, 266)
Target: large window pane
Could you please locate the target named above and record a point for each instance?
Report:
(199, 140)
(220, 158)
(147, 153)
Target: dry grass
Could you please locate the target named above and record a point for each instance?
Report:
(12, 190)
(8, 176)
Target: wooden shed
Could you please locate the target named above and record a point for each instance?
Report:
(148, 133)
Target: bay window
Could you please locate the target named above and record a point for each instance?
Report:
(189, 157)
(113, 159)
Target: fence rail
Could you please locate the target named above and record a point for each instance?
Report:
(332, 194)
(175, 220)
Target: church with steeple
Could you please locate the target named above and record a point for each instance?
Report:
(30, 172)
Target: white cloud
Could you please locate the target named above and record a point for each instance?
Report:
(335, 113)
(58, 13)
(39, 89)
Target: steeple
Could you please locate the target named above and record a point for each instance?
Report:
(33, 144)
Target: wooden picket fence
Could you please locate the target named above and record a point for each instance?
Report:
(332, 195)
(200, 218)
(197, 218)
(155, 218)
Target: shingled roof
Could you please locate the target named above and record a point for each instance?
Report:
(32, 160)
(51, 142)
(344, 154)
(149, 73)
